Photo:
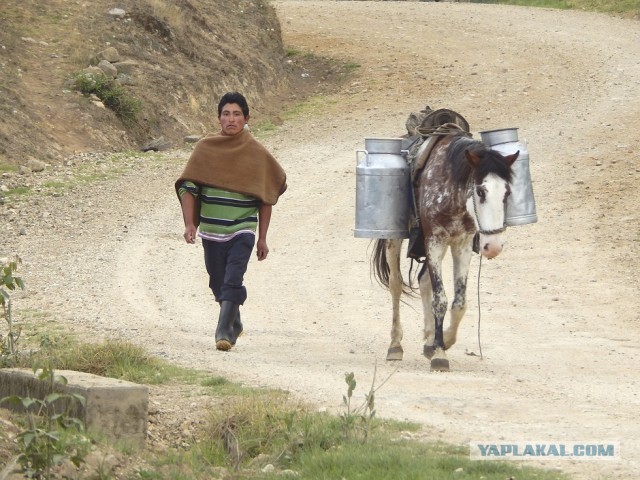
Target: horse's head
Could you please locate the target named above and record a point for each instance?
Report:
(487, 200)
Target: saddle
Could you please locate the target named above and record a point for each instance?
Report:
(430, 140)
(425, 129)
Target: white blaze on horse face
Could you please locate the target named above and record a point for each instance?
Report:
(489, 211)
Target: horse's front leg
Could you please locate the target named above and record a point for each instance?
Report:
(435, 253)
(394, 247)
(461, 254)
(426, 293)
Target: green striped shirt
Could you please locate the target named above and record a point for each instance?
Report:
(223, 214)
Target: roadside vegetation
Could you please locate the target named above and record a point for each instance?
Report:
(250, 434)
(112, 95)
(627, 8)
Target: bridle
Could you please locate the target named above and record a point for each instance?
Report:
(475, 212)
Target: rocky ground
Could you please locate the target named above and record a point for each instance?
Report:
(559, 331)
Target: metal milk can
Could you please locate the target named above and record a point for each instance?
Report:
(521, 204)
(382, 190)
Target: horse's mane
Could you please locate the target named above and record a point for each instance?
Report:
(490, 161)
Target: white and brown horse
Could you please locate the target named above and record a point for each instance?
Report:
(461, 191)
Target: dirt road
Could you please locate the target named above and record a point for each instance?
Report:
(560, 331)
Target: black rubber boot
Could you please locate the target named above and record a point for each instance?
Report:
(225, 332)
(237, 328)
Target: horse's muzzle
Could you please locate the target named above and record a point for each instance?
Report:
(490, 245)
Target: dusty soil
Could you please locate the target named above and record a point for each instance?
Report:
(559, 307)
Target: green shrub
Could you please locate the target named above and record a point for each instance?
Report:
(112, 94)
(52, 435)
(8, 282)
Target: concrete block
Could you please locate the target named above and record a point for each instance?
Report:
(116, 408)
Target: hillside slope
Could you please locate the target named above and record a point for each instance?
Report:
(181, 56)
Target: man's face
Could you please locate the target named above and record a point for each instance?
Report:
(232, 120)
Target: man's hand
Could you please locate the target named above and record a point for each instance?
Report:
(262, 250)
(188, 202)
(190, 234)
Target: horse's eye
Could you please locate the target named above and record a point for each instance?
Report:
(481, 193)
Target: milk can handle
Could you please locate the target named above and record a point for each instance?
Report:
(358, 158)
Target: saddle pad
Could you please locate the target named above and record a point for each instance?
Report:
(432, 139)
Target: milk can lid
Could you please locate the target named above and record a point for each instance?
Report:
(495, 137)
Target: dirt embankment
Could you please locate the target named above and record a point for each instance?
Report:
(180, 58)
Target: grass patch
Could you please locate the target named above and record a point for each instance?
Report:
(113, 358)
(5, 168)
(384, 460)
(292, 52)
(250, 429)
(351, 66)
(18, 191)
(220, 386)
(249, 433)
(621, 7)
(46, 342)
(313, 106)
(264, 129)
(55, 185)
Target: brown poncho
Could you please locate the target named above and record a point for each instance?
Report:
(238, 163)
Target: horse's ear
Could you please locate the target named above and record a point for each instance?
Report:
(512, 158)
(473, 159)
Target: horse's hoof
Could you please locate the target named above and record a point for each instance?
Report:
(394, 353)
(439, 365)
(224, 345)
(428, 351)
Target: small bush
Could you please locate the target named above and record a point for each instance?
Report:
(246, 427)
(52, 436)
(8, 283)
(111, 94)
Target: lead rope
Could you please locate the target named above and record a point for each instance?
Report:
(475, 212)
(479, 310)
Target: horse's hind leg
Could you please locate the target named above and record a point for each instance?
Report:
(393, 247)
(461, 261)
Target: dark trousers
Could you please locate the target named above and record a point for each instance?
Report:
(226, 264)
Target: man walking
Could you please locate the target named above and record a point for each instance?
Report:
(227, 191)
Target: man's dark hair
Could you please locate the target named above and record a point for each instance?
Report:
(234, 97)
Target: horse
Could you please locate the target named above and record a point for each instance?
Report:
(460, 193)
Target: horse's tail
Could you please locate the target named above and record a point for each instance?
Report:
(379, 263)
(382, 271)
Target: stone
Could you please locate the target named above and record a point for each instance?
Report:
(90, 73)
(116, 408)
(36, 165)
(108, 68)
(117, 13)
(128, 67)
(157, 145)
(109, 54)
